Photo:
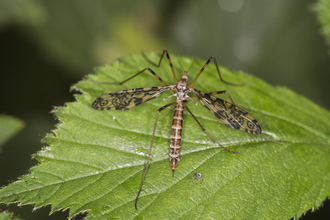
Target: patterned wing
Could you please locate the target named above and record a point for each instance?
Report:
(228, 113)
(128, 99)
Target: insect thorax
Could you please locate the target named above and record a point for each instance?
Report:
(182, 88)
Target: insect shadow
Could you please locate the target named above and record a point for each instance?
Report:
(227, 112)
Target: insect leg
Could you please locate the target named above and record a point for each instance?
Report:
(266, 138)
(160, 60)
(152, 140)
(234, 152)
(150, 70)
(222, 92)
(216, 65)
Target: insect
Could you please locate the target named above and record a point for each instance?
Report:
(227, 112)
(197, 176)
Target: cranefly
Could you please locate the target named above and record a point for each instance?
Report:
(227, 112)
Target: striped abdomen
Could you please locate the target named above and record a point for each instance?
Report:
(176, 134)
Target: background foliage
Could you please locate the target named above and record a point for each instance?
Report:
(49, 45)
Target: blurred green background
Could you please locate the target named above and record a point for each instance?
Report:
(47, 46)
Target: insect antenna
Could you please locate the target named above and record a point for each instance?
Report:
(191, 65)
(186, 71)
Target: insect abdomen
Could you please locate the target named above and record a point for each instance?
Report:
(176, 134)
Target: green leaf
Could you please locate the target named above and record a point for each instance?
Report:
(95, 159)
(322, 9)
(9, 126)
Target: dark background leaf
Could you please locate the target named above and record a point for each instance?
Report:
(322, 9)
(9, 126)
(7, 216)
